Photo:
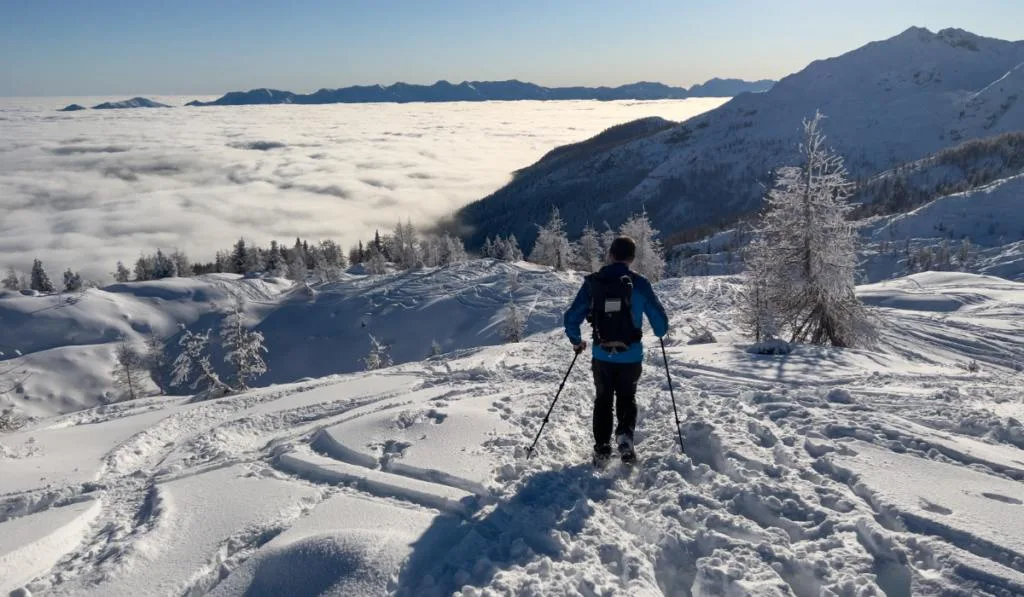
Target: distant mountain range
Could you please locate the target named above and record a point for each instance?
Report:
(476, 91)
(888, 103)
(135, 102)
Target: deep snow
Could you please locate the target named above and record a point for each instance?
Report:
(895, 470)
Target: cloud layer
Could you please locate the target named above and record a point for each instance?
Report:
(85, 189)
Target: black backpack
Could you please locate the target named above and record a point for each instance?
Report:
(611, 311)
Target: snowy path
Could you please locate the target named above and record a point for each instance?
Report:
(854, 473)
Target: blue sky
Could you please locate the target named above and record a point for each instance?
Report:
(117, 47)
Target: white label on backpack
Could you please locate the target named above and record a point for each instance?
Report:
(612, 305)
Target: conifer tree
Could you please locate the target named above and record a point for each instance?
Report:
(193, 364)
(243, 349)
(40, 281)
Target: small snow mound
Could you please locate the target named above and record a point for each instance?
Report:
(771, 347)
(704, 337)
(839, 396)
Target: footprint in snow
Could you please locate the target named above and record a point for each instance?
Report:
(1002, 498)
(935, 508)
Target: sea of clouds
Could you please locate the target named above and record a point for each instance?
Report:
(86, 189)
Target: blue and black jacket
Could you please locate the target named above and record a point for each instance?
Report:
(644, 303)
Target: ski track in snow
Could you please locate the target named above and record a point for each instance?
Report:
(801, 474)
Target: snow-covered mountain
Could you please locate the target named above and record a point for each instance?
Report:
(887, 103)
(478, 91)
(894, 470)
(135, 102)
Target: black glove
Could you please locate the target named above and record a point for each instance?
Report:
(578, 348)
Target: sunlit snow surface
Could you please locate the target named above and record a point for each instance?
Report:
(893, 471)
(88, 188)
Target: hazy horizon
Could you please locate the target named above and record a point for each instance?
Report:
(62, 48)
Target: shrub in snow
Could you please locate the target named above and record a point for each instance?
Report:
(11, 281)
(839, 396)
(512, 325)
(771, 347)
(72, 281)
(703, 337)
(973, 366)
(379, 356)
(804, 259)
(435, 349)
(243, 350)
(193, 364)
(10, 420)
(129, 369)
(552, 246)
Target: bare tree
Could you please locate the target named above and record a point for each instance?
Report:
(129, 370)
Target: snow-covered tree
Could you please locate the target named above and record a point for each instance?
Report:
(607, 238)
(379, 356)
(512, 252)
(121, 273)
(590, 254)
(452, 250)
(155, 358)
(512, 324)
(193, 364)
(552, 246)
(375, 263)
(40, 281)
(182, 265)
(243, 349)
(649, 260)
(435, 348)
(487, 250)
(239, 257)
(11, 281)
(274, 263)
(757, 314)
(296, 265)
(405, 247)
(963, 255)
(808, 249)
(129, 370)
(430, 250)
(72, 281)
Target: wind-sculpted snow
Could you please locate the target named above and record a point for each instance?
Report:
(86, 189)
(892, 470)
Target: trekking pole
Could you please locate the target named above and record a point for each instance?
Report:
(529, 451)
(671, 392)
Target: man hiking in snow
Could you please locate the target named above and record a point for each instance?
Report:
(614, 301)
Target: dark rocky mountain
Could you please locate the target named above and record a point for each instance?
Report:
(475, 91)
(887, 103)
(72, 108)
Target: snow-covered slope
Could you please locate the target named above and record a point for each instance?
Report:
(887, 103)
(895, 470)
(60, 349)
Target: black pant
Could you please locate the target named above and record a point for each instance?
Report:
(618, 381)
